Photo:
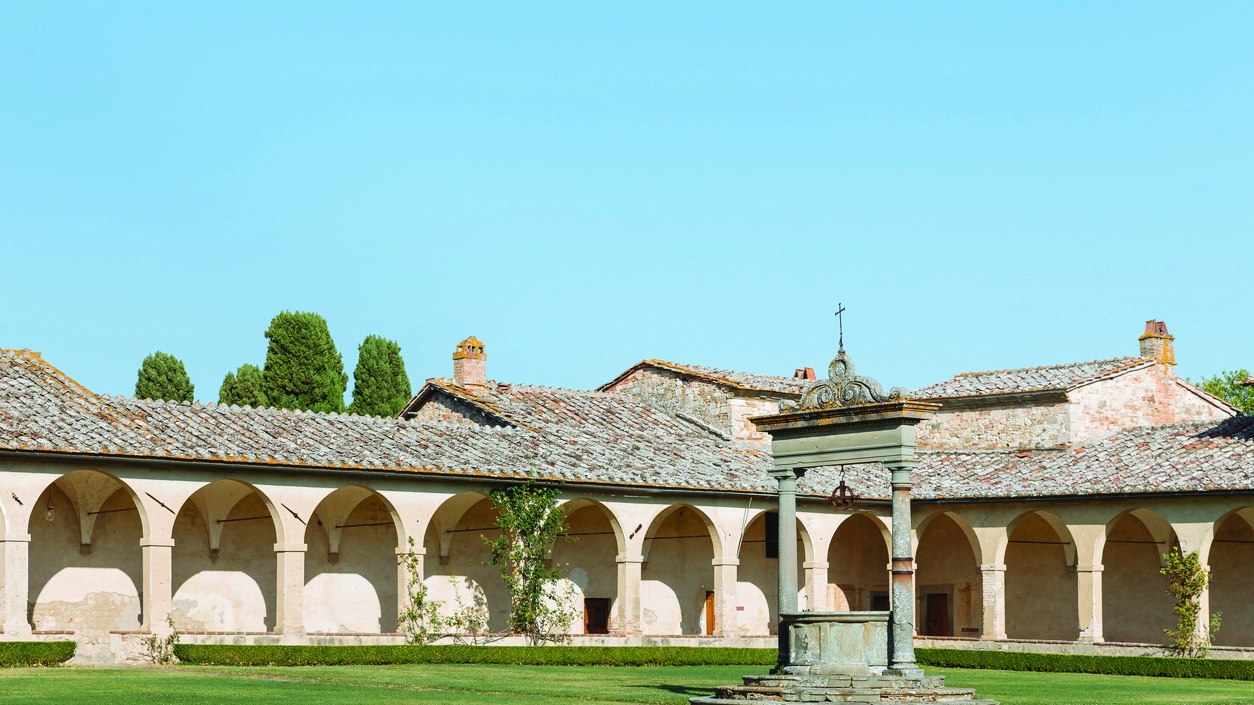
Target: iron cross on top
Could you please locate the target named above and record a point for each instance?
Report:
(840, 310)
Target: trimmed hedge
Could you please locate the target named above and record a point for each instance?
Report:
(36, 653)
(1075, 663)
(263, 655)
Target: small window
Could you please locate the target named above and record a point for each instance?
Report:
(772, 535)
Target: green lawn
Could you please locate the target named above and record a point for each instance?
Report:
(384, 685)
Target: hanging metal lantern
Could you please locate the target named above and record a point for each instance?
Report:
(843, 496)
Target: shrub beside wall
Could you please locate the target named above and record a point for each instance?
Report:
(1076, 663)
(249, 655)
(36, 653)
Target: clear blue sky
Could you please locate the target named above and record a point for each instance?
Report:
(584, 185)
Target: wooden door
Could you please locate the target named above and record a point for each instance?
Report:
(937, 615)
(709, 613)
(596, 615)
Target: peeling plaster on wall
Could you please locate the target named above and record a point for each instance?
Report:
(1041, 592)
(235, 591)
(677, 574)
(1232, 586)
(89, 593)
(857, 564)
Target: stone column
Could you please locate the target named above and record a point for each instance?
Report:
(629, 606)
(726, 619)
(993, 602)
(1089, 583)
(1203, 614)
(901, 626)
(402, 580)
(786, 598)
(15, 578)
(158, 593)
(816, 585)
(290, 598)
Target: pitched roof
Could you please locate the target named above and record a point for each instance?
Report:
(1030, 379)
(591, 437)
(745, 381)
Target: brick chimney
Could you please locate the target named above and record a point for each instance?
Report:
(803, 373)
(470, 363)
(1159, 345)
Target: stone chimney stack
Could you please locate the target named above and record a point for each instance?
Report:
(470, 363)
(1159, 345)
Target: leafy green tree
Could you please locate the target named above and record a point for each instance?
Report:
(1225, 386)
(380, 385)
(162, 376)
(530, 521)
(303, 368)
(244, 387)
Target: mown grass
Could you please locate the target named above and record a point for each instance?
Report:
(440, 683)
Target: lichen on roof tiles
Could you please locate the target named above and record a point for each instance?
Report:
(1029, 379)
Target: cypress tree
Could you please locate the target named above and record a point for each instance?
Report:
(163, 376)
(243, 387)
(380, 385)
(303, 369)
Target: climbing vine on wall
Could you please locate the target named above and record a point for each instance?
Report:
(1187, 581)
(541, 606)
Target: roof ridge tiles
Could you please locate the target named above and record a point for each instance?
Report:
(1060, 366)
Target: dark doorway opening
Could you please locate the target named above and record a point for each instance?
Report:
(879, 602)
(937, 623)
(596, 615)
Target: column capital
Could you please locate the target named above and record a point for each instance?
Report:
(725, 561)
(290, 547)
(1089, 568)
(15, 538)
(162, 543)
(418, 550)
(815, 564)
(625, 558)
(993, 566)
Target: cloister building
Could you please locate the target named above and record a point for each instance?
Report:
(1045, 500)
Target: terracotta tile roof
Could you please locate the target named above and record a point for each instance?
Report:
(1030, 379)
(747, 381)
(578, 436)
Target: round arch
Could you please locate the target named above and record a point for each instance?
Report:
(677, 576)
(455, 566)
(757, 587)
(572, 506)
(1042, 598)
(85, 564)
(948, 583)
(590, 563)
(1135, 604)
(352, 579)
(223, 562)
(1231, 561)
(858, 564)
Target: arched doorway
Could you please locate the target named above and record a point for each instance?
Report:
(858, 570)
(1041, 591)
(351, 583)
(948, 585)
(85, 560)
(224, 567)
(456, 570)
(677, 577)
(757, 589)
(1135, 604)
(588, 562)
(1232, 578)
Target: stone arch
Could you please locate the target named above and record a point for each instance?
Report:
(1135, 604)
(1042, 595)
(677, 576)
(223, 574)
(455, 568)
(351, 579)
(85, 561)
(757, 587)
(858, 564)
(1231, 563)
(948, 583)
(590, 563)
